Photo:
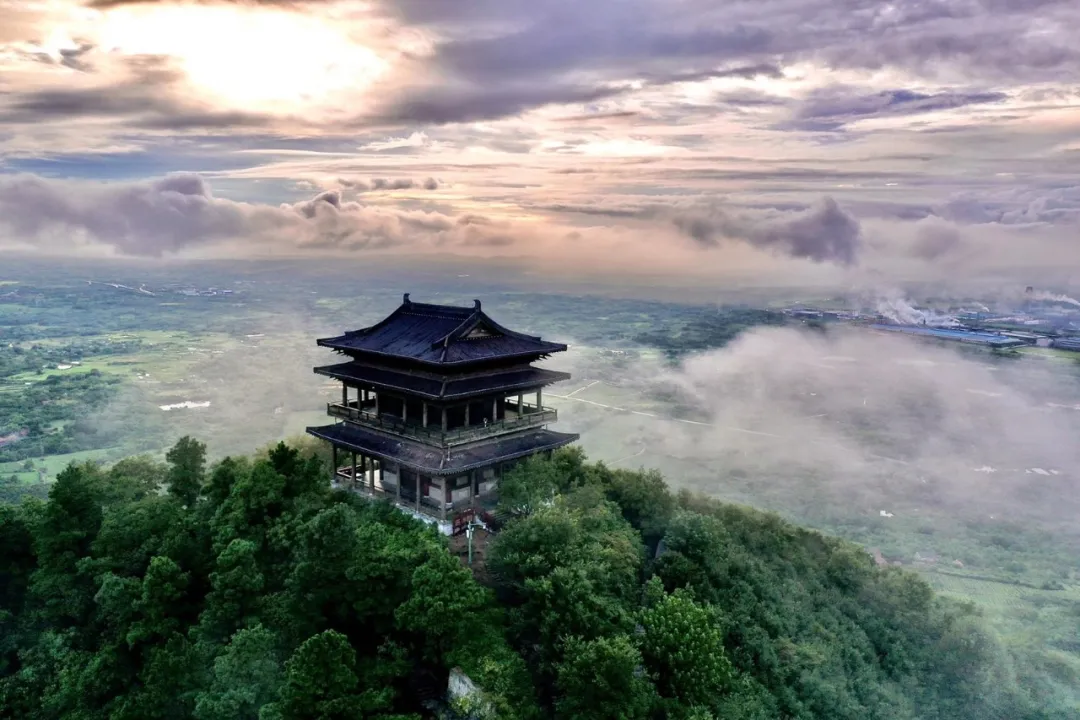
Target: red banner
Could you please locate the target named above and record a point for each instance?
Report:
(462, 520)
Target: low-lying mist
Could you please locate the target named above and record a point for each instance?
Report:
(799, 420)
(815, 424)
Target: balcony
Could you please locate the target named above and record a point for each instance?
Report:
(518, 419)
(428, 506)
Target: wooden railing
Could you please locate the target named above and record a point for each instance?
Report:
(532, 417)
(428, 505)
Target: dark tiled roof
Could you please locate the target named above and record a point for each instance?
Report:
(441, 335)
(443, 388)
(433, 461)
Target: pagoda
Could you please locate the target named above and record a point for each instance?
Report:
(437, 403)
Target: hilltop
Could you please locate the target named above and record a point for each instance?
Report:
(250, 589)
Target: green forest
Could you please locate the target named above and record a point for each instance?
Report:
(248, 588)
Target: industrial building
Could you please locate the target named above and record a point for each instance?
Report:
(992, 340)
(1066, 343)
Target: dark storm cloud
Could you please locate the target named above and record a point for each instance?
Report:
(831, 108)
(475, 102)
(822, 233)
(554, 47)
(1051, 206)
(179, 212)
(503, 44)
(144, 98)
(139, 219)
(935, 238)
(73, 58)
(498, 58)
(376, 184)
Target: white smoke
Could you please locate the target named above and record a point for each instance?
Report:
(1052, 297)
(900, 311)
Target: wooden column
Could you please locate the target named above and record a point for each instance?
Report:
(521, 403)
(354, 470)
(425, 414)
(404, 410)
(467, 414)
(444, 419)
(539, 401)
(494, 409)
(445, 496)
(372, 480)
(417, 492)
(344, 394)
(474, 476)
(381, 476)
(376, 404)
(333, 461)
(400, 477)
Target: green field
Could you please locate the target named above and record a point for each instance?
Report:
(54, 464)
(1051, 353)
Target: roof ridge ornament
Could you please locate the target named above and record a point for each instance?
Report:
(406, 300)
(476, 305)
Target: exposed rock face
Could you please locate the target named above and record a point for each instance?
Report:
(465, 698)
(879, 559)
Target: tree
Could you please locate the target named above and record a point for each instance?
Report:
(530, 485)
(444, 606)
(603, 679)
(17, 560)
(236, 584)
(222, 479)
(684, 650)
(245, 677)
(187, 468)
(62, 537)
(321, 682)
(159, 609)
(644, 499)
(136, 477)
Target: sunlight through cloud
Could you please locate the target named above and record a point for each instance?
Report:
(263, 59)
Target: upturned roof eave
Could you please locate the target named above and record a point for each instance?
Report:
(352, 352)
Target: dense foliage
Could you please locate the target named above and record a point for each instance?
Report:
(43, 410)
(49, 417)
(252, 590)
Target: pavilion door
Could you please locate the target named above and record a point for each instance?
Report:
(407, 479)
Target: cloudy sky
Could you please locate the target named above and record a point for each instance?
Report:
(816, 139)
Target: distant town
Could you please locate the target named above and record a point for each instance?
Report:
(1039, 319)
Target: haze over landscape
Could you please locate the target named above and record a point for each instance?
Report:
(814, 258)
